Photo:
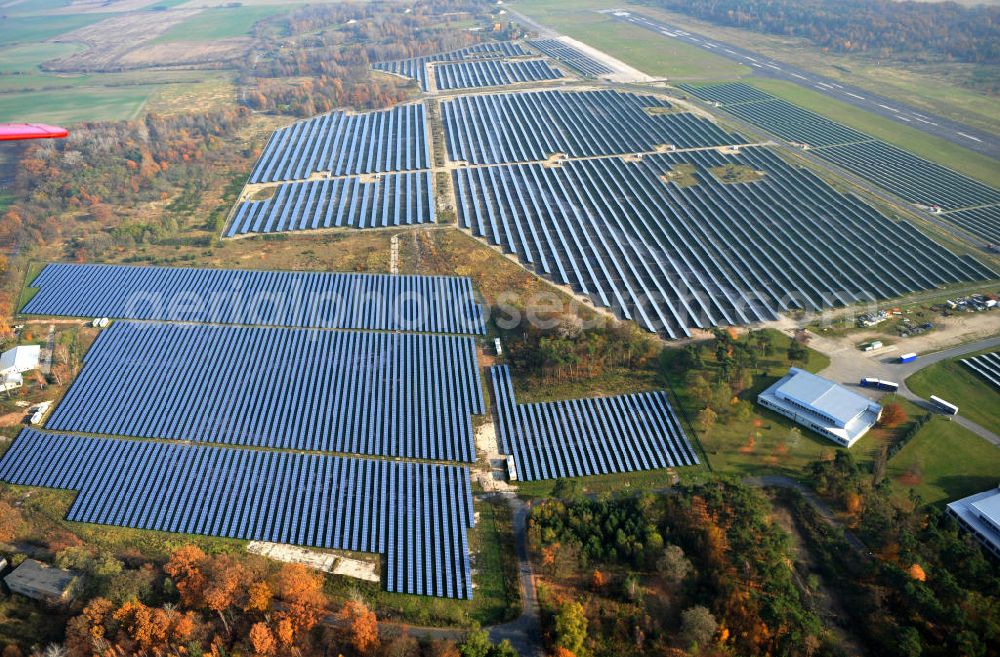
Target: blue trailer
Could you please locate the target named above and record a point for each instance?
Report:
(908, 358)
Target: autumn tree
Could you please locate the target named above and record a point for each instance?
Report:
(224, 576)
(571, 627)
(302, 593)
(362, 626)
(261, 639)
(185, 569)
(597, 580)
(698, 626)
(706, 420)
(892, 416)
(258, 597)
(673, 564)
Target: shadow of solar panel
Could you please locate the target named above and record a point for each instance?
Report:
(433, 304)
(302, 499)
(386, 394)
(581, 437)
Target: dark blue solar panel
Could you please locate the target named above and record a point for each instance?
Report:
(391, 394)
(265, 496)
(588, 436)
(467, 75)
(433, 304)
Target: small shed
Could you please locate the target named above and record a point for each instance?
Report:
(39, 581)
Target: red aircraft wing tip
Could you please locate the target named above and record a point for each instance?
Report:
(11, 131)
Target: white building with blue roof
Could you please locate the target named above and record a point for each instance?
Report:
(821, 405)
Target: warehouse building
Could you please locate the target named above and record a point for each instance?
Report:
(821, 405)
(16, 361)
(980, 514)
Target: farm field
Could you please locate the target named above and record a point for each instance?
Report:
(220, 22)
(956, 383)
(64, 106)
(945, 462)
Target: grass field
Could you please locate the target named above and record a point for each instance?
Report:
(73, 105)
(649, 52)
(28, 29)
(924, 145)
(945, 462)
(220, 23)
(949, 379)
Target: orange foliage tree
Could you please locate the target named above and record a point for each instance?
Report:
(363, 626)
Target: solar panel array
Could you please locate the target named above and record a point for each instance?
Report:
(910, 177)
(434, 304)
(492, 73)
(983, 221)
(415, 68)
(392, 199)
(346, 144)
(386, 394)
(583, 437)
(570, 56)
(713, 253)
(415, 514)
(986, 366)
(520, 127)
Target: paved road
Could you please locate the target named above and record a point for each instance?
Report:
(524, 632)
(952, 131)
(848, 365)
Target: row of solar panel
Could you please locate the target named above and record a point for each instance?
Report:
(393, 199)
(986, 366)
(415, 514)
(912, 178)
(983, 222)
(522, 127)
(433, 304)
(570, 56)
(416, 67)
(346, 144)
(387, 394)
(703, 254)
(583, 437)
(492, 73)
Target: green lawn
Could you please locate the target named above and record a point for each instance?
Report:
(945, 462)
(220, 23)
(647, 51)
(28, 29)
(67, 106)
(920, 143)
(976, 399)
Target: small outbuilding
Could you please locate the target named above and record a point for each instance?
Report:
(39, 581)
(20, 359)
(827, 408)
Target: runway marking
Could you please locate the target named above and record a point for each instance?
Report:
(731, 52)
(891, 109)
(801, 77)
(854, 95)
(774, 67)
(922, 120)
(902, 118)
(748, 57)
(969, 136)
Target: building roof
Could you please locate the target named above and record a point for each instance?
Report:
(39, 580)
(822, 395)
(20, 359)
(981, 513)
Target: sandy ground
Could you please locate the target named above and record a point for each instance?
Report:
(325, 561)
(177, 53)
(493, 479)
(849, 364)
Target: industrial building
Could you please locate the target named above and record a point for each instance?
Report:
(39, 581)
(16, 361)
(980, 514)
(816, 403)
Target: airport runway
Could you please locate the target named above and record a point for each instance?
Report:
(952, 131)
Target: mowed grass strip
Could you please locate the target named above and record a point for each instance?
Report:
(944, 462)
(651, 53)
(976, 399)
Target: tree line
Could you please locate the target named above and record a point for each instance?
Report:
(913, 30)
